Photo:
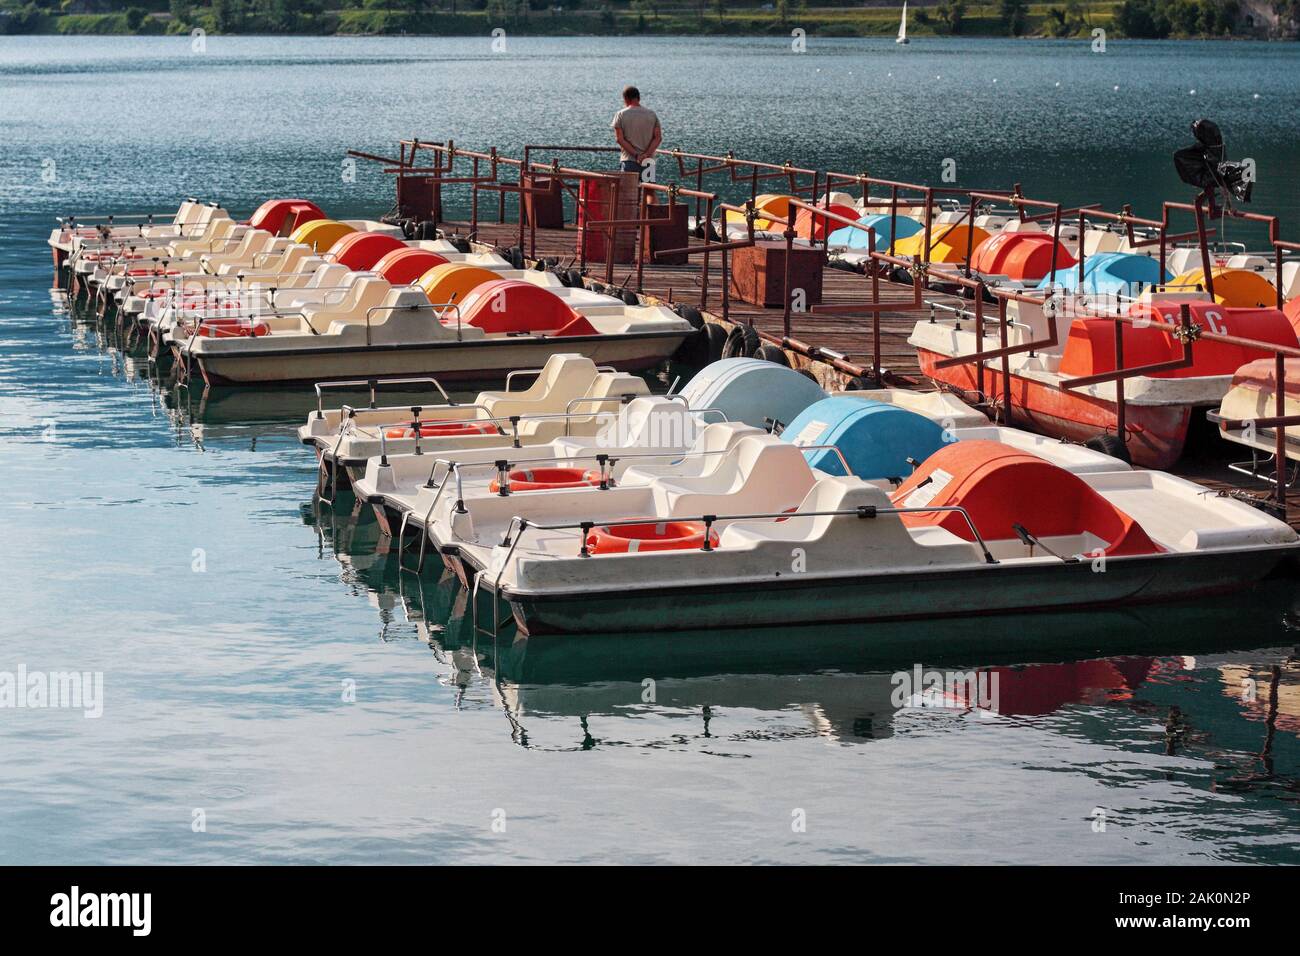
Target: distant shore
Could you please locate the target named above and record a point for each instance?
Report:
(1064, 20)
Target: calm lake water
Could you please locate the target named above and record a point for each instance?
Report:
(170, 542)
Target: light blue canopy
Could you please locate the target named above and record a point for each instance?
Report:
(1109, 273)
(875, 438)
(857, 239)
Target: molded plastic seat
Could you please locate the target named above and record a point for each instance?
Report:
(367, 293)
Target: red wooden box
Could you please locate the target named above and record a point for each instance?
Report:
(758, 274)
(671, 233)
(545, 209)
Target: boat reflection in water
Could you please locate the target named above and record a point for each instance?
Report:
(1221, 676)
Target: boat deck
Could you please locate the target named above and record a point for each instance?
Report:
(847, 333)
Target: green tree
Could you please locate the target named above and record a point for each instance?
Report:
(952, 12)
(1141, 19)
(228, 15)
(135, 17)
(1014, 15)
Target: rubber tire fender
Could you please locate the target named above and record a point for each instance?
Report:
(1109, 444)
(742, 342)
(691, 315)
(716, 336)
(772, 353)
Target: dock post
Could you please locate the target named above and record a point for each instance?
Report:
(1279, 446)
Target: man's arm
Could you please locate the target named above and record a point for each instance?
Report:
(655, 140)
(623, 143)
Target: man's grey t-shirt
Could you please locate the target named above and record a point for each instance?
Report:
(638, 126)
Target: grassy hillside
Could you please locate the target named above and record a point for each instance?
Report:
(1148, 18)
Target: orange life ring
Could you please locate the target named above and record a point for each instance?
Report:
(443, 429)
(539, 479)
(664, 536)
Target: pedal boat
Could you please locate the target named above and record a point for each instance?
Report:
(74, 231)
(979, 527)
(1050, 385)
(1248, 413)
(383, 330)
(463, 502)
(567, 392)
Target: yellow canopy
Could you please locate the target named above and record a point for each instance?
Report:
(1235, 288)
(947, 243)
(773, 204)
(453, 281)
(320, 234)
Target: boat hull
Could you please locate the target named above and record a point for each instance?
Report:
(982, 590)
(1157, 434)
(479, 361)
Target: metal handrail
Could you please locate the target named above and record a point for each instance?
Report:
(373, 384)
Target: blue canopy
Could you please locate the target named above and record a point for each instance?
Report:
(752, 390)
(1109, 273)
(875, 438)
(857, 239)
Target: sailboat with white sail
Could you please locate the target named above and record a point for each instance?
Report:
(902, 26)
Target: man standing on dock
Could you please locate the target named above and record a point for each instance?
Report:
(637, 131)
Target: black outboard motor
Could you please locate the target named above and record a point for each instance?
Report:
(1204, 167)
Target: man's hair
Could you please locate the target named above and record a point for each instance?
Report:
(631, 93)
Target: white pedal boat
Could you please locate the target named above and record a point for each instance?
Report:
(383, 330)
(571, 396)
(461, 504)
(979, 527)
(73, 231)
(1248, 412)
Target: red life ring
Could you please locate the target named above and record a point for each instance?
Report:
(664, 536)
(540, 479)
(443, 429)
(232, 328)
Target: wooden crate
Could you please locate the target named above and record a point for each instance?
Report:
(419, 198)
(758, 274)
(671, 233)
(546, 209)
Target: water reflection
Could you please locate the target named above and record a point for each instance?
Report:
(1214, 679)
(1211, 689)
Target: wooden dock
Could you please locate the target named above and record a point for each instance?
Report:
(849, 334)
